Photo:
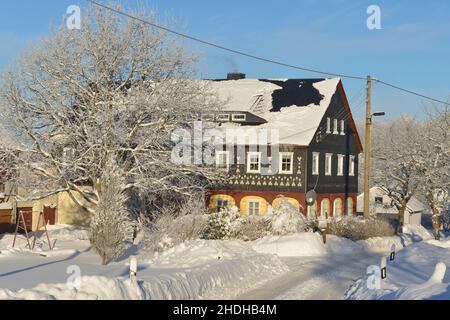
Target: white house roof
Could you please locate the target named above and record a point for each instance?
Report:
(293, 106)
(413, 205)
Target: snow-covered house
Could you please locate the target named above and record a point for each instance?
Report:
(318, 144)
(384, 206)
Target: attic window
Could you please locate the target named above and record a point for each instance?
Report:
(379, 200)
(239, 117)
(328, 125)
(223, 117)
(335, 126)
(342, 127)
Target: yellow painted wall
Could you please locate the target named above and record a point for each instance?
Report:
(71, 213)
(244, 204)
(294, 202)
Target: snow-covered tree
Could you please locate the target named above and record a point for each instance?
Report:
(116, 88)
(399, 165)
(111, 226)
(435, 154)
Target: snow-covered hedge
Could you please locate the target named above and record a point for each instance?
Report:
(357, 228)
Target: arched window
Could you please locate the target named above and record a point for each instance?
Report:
(349, 206)
(218, 202)
(312, 211)
(337, 207)
(325, 208)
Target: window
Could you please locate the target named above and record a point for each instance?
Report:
(342, 127)
(311, 211)
(349, 206)
(254, 162)
(315, 163)
(340, 168)
(335, 126)
(328, 162)
(223, 117)
(337, 207)
(351, 169)
(379, 200)
(239, 117)
(222, 159)
(328, 125)
(286, 162)
(325, 208)
(222, 204)
(254, 207)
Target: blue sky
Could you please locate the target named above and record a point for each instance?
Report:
(412, 49)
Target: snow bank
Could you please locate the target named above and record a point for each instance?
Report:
(418, 272)
(294, 245)
(90, 288)
(197, 269)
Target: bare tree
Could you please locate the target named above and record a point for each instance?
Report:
(114, 89)
(399, 166)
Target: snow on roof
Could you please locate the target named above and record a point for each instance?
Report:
(413, 205)
(293, 106)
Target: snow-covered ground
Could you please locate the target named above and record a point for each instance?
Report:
(193, 270)
(418, 272)
(297, 266)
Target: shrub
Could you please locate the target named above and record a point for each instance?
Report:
(223, 225)
(358, 228)
(111, 226)
(286, 219)
(252, 228)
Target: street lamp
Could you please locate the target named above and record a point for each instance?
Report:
(367, 155)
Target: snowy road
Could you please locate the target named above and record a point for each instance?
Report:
(314, 278)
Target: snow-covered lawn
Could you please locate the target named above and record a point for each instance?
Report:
(193, 270)
(297, 266)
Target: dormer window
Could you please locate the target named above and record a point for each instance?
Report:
(328, 125)
(239, 117)
(342, 127)
(335, 126)
(223, 117)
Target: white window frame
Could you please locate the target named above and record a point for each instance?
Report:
(251, 211)
(223, 117)
(342, 128)
(351, 166)
(335, 126)
(328, 164)
(328, 125)
(291, 156)
(222, 207)
(233, 117)
(249, 156)
(315, 163)
(340, 166)
(220, 153)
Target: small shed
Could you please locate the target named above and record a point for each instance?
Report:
(383, 206)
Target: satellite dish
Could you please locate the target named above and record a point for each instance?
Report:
(311, 197)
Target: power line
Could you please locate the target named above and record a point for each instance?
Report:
(410, 91)
(224, 48)
(252, 56)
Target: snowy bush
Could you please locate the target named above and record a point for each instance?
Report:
(358, 228)
(111, 226)
(168, 230)
(223, 225)
(252, 228)
(286, 219)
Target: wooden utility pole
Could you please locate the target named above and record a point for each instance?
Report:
(367, 147)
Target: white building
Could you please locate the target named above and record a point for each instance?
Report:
(383, 205)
